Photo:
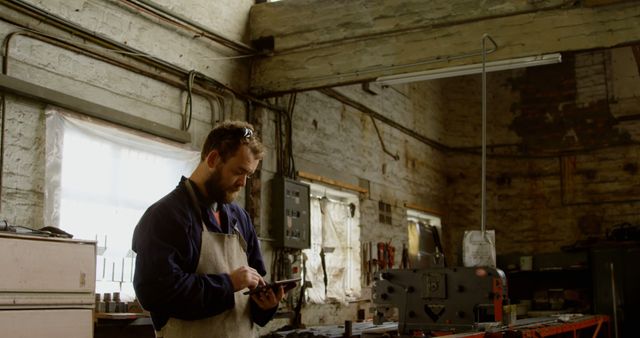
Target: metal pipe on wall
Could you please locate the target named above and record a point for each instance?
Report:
(366, 110)
(207, 84)
(200, 29)
(96, 55)
(104, 42)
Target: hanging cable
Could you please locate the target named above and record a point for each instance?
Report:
(284, 148)
(278, 136)
(384, 147)
(215, 118)
(290, 160)
(188, 105)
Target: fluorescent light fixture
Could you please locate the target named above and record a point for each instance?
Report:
(529, 61)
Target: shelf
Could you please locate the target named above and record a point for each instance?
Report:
(122, 319)
(120, 315)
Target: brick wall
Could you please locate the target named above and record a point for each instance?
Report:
(561, 179)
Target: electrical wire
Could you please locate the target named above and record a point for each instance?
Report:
(384, 147)
(291, 161)
(188, 105)
(221, 115)
(284, 148)
(279, 151)
(228, 57)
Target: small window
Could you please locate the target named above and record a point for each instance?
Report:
(424, 240)
(335, 233)
(384, 212)
(100, 179)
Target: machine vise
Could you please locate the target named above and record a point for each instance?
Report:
(451, 299)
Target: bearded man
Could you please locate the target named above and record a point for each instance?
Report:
(197, 250)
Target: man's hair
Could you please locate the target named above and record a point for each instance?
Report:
(228, 136)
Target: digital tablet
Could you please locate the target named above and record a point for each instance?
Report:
(287, 284)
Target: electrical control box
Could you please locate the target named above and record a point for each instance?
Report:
(290, 215)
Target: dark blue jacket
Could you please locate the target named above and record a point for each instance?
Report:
(167, 243)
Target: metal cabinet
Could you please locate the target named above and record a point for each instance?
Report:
(47, 286)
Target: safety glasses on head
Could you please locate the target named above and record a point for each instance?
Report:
(246, 133)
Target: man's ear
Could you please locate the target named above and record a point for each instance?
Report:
(213, 158)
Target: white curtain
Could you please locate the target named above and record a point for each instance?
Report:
(100, 179)
(336, 231)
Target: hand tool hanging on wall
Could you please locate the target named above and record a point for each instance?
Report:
(366, 263)
(382, 262)
(391, 253)
(438, 244)
(404, 261)
(296, 319)
(373, 264)
(324, 271)
(363, 276)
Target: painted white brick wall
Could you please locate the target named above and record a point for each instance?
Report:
(119, 22)
(23, 179)
(591, 86)
(87, 78)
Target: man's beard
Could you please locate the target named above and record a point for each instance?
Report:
(216, 190)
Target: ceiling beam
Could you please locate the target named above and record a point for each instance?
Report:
(299, 24)
(347, 42)
(594, 3)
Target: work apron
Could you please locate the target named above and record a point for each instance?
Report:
(219, 253)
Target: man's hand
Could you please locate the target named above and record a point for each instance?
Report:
(268, 299)
(245, 277)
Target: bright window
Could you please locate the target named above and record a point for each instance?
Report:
(424, 250)
(100, 179)
(335, 231)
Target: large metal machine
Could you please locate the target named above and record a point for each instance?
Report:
(452, 299)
